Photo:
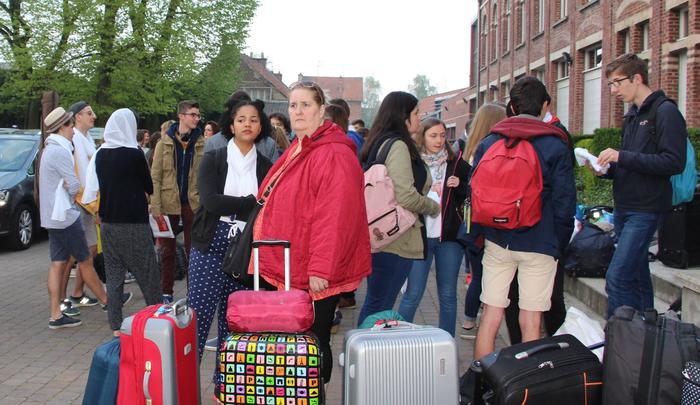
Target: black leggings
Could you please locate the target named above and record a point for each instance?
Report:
(553, 318)
(324, 313)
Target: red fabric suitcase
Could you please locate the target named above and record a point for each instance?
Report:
(158, 363)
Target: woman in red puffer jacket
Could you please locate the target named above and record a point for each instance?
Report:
(317, 203)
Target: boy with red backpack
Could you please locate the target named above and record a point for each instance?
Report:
(524, 198)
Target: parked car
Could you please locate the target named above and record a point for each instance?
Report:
(19, 215)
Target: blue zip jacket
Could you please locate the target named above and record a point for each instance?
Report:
(551, 235)
(644, 167)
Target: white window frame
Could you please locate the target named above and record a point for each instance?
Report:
(645, 36)
(683, 22)
(563, 12)
(540, 16)
(592, 55)
(562, 70)
(523, 22)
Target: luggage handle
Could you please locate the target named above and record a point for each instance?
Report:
(547, 346)
(180, 307)
(256, 261)
(146, 378)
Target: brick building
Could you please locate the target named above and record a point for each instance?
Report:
(567, 43)
(349, 89)
(450, 107)
(263, 84)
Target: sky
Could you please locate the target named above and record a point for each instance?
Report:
(391, 40)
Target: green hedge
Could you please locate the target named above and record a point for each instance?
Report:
(592, 190)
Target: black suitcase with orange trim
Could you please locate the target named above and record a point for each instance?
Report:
(553, 370)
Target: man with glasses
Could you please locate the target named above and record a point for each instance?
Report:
(174, 171)
(652, 150)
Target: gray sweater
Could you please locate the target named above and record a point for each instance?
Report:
(56, 166)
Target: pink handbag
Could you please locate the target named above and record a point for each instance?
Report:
(288, 311)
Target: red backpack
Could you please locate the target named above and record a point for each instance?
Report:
(506, 186)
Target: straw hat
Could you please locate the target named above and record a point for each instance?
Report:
(56, 119)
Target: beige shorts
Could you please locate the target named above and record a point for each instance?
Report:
(536, 273)
(89, 228)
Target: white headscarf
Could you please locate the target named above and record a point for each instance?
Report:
(120, 132)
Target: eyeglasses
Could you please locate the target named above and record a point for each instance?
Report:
(618, 82)
(310, 86)
(196, 115)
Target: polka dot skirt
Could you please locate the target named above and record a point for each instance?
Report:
(208, 288)
(691, 383)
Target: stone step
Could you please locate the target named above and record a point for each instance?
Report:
(591, 292)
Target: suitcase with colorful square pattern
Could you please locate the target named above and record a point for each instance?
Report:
(264, 367)
(270, 368)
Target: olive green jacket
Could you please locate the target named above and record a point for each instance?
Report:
(398, 164)
(166, 194)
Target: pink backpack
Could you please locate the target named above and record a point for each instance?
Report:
(387, 220)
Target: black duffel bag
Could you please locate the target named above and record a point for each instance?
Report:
(590, 252)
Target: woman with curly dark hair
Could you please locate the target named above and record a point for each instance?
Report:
(228, 181)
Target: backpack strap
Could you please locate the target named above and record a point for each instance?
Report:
(652, 351)
(383, 152)
(651, 117)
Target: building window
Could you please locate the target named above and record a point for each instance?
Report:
(540, 16)
(645, 35)
(563, 6)
(506, 29)
(562, 70)
(494, 33)
(522, 26)
(626, 41)
(505, 89)
(539, 74)
(259, 93)
(484, 34)
(683, 22)
(594, 57)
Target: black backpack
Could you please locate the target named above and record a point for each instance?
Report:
(590, 252)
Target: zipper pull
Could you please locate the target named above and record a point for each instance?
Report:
(517, 206)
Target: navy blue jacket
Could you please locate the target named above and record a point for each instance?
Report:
(551, 235)
(641, 174)
(183, 159)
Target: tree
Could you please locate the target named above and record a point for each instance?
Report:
(370, 103)
(421, 87)
(143, 54)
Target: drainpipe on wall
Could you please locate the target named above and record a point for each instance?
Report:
(478, 54)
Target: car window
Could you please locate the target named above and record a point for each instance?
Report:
(13, 153)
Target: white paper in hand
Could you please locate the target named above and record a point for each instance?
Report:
(161, 226)
(582, 154)
(61, 203)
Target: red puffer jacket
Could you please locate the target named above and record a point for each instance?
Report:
(318, 205)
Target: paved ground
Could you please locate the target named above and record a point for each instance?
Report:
(39, 365)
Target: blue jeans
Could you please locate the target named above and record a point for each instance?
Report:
(628, 281)
(448, 259)
(389, 271)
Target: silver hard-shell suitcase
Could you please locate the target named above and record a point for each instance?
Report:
(405, 364)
